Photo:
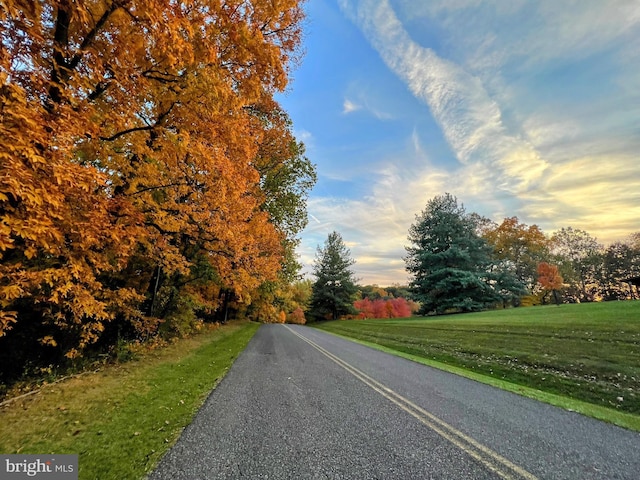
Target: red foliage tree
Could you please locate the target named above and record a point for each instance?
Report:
(401, 308)
(550, 280)
(391, 308)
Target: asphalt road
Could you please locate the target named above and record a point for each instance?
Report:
(302, 404)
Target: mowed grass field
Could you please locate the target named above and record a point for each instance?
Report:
(122, 419)
(585, 352)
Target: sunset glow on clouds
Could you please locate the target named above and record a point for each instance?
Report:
(526, 108)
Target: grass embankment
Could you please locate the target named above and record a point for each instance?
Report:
(581, 357)
(122, 419)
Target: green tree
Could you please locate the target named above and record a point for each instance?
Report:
(521, 247)
(374, 292)
(335, 289)
(618, 262)
(578, 255)
(286, 178)
(399, 291)
(451, 264)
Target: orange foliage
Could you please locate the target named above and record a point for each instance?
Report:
(523, 245)
(297, 317)
(549, 278)
(128, 139)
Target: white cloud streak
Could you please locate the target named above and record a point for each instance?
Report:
(469, 118)
(348, 106)
(551, 167)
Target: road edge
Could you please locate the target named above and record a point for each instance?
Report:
(620, 419)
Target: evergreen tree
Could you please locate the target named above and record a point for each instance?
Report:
(451, 265)
(334, 289)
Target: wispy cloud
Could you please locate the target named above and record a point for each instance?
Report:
(536, 100)
(348, 106)
(600, 194)
(315, 219)
(376, 226)
(483, 34)
(470, 120)
(304, 135)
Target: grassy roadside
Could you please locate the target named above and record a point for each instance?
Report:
(122, 419)
(584, 358)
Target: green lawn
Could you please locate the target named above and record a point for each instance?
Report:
(587, 352)
(122, 419)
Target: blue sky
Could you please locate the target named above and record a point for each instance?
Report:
(525, 108)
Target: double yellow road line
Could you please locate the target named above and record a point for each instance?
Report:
(487, 457)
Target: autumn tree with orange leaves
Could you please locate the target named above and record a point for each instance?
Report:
(550, 279)
(520, 247)
(136, 141)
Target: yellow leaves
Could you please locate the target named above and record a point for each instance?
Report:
(5, 237)
(8, 293)
(7, 318)
(48, 340)
(71, 354)
(30, 252)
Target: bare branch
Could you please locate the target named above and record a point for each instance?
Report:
(160, 119)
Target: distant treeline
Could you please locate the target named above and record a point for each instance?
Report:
(461, 261)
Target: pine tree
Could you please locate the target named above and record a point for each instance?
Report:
(451, 264)
(334, 289)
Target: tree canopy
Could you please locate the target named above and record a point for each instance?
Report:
(521, 247)
(577, 255)
(146, 172)
(550, 280)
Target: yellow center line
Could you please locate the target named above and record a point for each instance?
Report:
(487, 457)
